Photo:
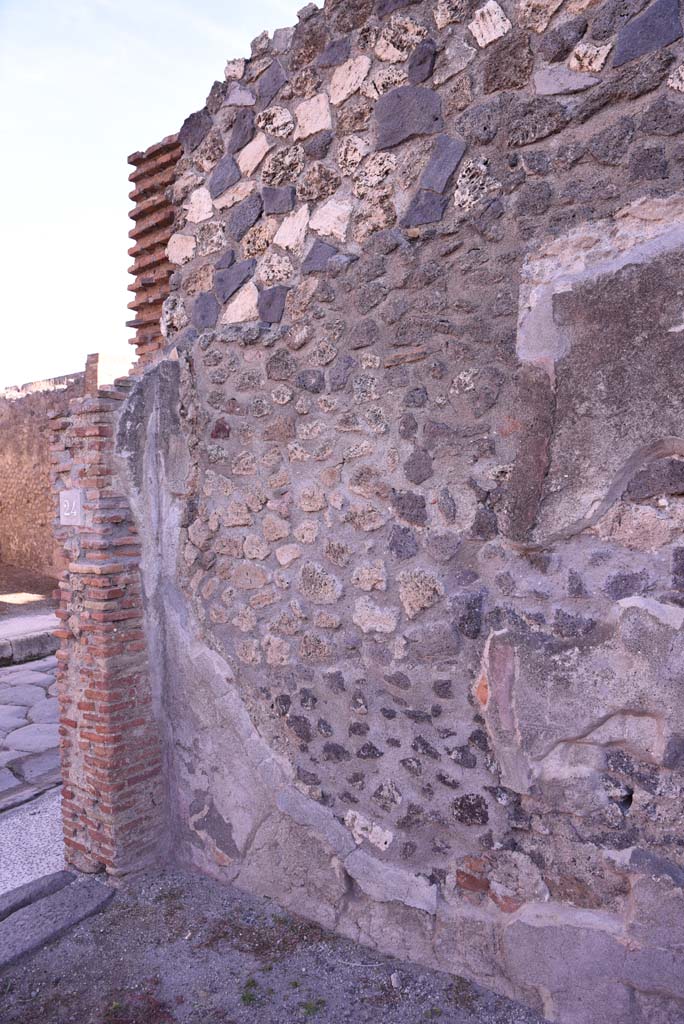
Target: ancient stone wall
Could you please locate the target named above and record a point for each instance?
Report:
(26, 499)
(408, 480)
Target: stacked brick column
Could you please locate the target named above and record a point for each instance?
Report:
(153, 214)
(111, 753)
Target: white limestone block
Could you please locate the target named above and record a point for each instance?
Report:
(347, 79)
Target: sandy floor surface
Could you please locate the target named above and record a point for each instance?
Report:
(183, 949)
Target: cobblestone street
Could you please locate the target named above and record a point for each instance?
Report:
(29, 737)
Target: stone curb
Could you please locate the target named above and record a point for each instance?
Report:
(29, 790)
(29, 647)
(24, 895)
(49, 917)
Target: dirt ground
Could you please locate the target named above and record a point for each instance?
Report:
(183, 949)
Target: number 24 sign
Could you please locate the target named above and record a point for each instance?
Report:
(71, 508)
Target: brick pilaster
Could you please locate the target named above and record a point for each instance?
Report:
(113, 807)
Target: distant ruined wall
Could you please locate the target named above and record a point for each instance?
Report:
(26, 500)
(408, 481)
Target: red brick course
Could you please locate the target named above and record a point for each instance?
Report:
(153, 215)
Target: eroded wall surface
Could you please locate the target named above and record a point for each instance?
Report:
(409, 488)
(26, 501)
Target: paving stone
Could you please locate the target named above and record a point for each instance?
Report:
(45, 712)
(45, 920)
(205, 311)
(422, 62)
(7, 780)
(272, 304)
(24, 695)
(227, 282)
(278, 199)
(245, 215)
(33, 738)
(30, 767)
(243, 130)
(43, 664)
(13, 716)
(24, 677)
(447, 154)
(425, 208)
(24, 895)
(318, 256)
(271, 82)
(658, 26)
(407, 111)
(225, 174)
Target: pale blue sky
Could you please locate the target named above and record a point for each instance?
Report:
(83, 83)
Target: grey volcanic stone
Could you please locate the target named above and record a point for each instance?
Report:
(654, 864)
(278, 200)
(245, 215)
(12, 716)
(418, 467)
(227, 282)
(657, 27)
(447, 154)
(311, 380)
(243, 130)
(425, 208)
(225, 174)
(531, 120)
(21, 897)
(194, 129)
(227, 260)
(508, 64)
(422, 62)
(271, 304)
(385, 7)
(205, 311)
(318, 256)
(410, 506)
(48, 918)
(335, 53)
(557, 44)
(30, 767)
(316, 148)
(407, 111)
(271, 82)
(33, 738)
(664, 117)
(20, 694)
